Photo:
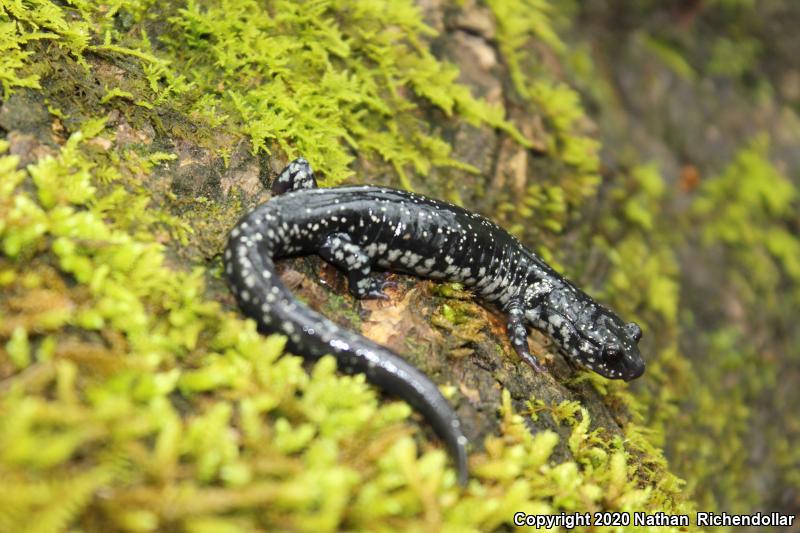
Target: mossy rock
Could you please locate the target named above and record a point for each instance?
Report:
(134, 396)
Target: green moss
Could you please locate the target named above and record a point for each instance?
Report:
(159, 314)
(554, 193)
(324, 80)
(519, 21)
(13, 58)
(462, 324)
(742, 217)
(131, 400)
(26, 22)
(745, 213)
(743, 208)
(340, 306)
(670, 55)
(733, 57)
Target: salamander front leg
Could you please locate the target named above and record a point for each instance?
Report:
(297, 175)
(339, 249)
(518, 335)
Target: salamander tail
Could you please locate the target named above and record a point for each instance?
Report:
(263, 297)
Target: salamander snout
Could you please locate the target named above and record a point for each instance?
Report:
(634, 368)
(634, 363)
(621, 351)
(609, 347)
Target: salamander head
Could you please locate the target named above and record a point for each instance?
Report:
(590, 334)
(612, 349)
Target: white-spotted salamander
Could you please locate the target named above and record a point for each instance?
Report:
(361, 227)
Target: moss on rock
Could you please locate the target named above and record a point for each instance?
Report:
(132, 394)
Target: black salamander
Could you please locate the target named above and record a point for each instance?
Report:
(361, 227)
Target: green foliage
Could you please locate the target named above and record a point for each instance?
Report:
(182, 415)
(30, 20)
(292, 457)
(717, 447)
(738, 215)
(156, 316)
(555, 196)
(162, 81)
(742, 209)
(323, 79)
(745, 214)
(561, 107)
(636, 243)
(639, 251)
(565, 412)
(13, 57)
(129, 400)
(733, 57)
(517, 22)
(669, 54)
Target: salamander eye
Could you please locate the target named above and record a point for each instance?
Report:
(634, 331)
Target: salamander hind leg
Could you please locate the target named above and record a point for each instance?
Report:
(518, 335)
(297, 175)
(340, 250)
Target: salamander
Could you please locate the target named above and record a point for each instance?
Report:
(363, 228)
